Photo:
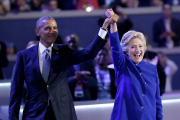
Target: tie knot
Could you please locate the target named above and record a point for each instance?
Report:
(47, 50)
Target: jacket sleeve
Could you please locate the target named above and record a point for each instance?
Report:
(89, 53)
(16, 89)
(175, 23)
(159, 115)
(116, 50)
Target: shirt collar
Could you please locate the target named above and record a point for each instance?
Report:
(167, 20)
(42, 48)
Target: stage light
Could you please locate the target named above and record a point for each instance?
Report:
(89, 8)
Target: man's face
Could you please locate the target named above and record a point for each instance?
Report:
(102, 58)
(167, 11)
(47, 32)
(72, 42)
(53, 5)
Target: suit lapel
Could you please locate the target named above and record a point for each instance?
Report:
(54, 58)
(35, 62)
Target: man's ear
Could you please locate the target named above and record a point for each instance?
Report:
(37, 31)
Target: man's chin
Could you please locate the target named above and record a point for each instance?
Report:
(51, 41)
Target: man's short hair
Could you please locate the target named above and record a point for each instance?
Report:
(39, 22)
(72, 37)
(163, 6)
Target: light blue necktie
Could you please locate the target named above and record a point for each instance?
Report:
(46, 65)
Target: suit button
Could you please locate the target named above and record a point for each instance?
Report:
(47, 86)
(142, 107)
(143, 95)
(145, 83)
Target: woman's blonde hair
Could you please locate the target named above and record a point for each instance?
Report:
(128, 36)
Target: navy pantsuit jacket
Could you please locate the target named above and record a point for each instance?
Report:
(56, 89)
(137, 96)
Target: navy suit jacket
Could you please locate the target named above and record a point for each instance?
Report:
(56, 89)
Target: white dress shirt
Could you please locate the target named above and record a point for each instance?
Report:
(104, 84)
(41, 54)
(102, 33)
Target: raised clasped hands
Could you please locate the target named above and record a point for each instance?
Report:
(111, 18)
(109, 13)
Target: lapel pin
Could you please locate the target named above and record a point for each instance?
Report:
(56, 52)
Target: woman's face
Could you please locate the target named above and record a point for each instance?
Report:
(135, 50)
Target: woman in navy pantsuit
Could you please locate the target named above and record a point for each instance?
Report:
(138, 96)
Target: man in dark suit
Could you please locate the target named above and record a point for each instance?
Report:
(81, 77)
(166, 30)
(3, 58)
(44, 67)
